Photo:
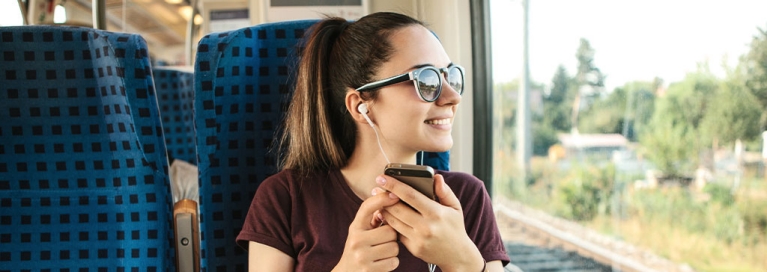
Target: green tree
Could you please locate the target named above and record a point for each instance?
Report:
(589, 80)
(755, 63)
(505, 106)
(557, 104)
(734, 114)
(627, 107)
(672, 139)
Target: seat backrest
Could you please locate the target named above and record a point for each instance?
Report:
(243, 82)
(175, 95)
(83, 169)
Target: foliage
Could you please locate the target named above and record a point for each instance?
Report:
(723, 216)
(557, 104)
(754, 217)
(720, 193)
(733, 107)
(669, 146)
(588, 75)
(672, 138)
(625, 110)
(589, 80)
(755, 62)
(586, 192)
(543, 138)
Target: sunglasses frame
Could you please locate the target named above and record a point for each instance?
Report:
(413, 75)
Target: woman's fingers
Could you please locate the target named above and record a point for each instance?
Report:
(406, 193)
(369, 247)
(367, 210)
(395, 219)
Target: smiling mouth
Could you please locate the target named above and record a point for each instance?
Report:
(445, 121)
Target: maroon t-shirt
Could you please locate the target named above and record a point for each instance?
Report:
(308, 218)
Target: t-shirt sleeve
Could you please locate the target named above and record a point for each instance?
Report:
(268, 219)
(479, 218)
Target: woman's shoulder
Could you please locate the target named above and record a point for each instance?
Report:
(290, 178)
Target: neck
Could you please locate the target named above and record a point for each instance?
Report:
(367, 162)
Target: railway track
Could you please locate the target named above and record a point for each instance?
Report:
(536, 242)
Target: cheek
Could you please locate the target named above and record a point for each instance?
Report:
(405, 118)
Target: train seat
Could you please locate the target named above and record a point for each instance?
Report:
(83, 165)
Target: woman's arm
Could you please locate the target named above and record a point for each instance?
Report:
(265, 258)
(494, 266)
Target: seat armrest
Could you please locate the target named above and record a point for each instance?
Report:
(187, 236)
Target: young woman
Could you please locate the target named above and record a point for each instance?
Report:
(331, 208)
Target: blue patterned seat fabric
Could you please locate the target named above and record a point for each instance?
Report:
(175, 94)
(242, 82)
(83, 169)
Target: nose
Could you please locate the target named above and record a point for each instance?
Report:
(448, 96)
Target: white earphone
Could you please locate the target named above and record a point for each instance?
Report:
(363, 109)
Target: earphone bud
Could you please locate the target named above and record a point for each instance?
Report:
(363, 109)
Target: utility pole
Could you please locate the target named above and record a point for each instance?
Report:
(524, 143)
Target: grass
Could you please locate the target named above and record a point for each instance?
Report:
(710, 231)
(702, 252)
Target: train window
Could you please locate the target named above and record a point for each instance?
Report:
(11, 16)
(641, 120)
(60, 14)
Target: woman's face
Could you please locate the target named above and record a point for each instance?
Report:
(406, 122)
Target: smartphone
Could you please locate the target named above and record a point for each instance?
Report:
(420, 177)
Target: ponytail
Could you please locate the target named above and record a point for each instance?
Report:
(319, 134)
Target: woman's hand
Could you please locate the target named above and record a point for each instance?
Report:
(432, 231)
(368, 246)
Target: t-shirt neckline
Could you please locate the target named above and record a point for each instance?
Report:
(340, 181)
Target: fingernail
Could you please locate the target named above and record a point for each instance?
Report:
(380, 216)
(393, 196)
(374, 191)
(380, 180)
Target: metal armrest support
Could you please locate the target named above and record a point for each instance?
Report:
(187, 235)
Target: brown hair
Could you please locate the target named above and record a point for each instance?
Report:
(319, 133)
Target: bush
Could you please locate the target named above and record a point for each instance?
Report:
(720, 193)
(754, 217)
(587, 192)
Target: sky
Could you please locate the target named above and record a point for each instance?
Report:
(633, 40)
(9, 13)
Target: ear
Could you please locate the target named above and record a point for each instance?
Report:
(352, 101)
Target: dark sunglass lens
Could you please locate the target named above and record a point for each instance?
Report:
(428, 84)
(455, 79)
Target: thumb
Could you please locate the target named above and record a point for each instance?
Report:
(444, 193)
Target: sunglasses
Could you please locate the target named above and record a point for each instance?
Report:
(428, 81)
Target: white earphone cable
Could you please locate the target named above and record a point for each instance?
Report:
(363, 110)
(380, 146)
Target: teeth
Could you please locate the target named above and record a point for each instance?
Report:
(445, 121)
